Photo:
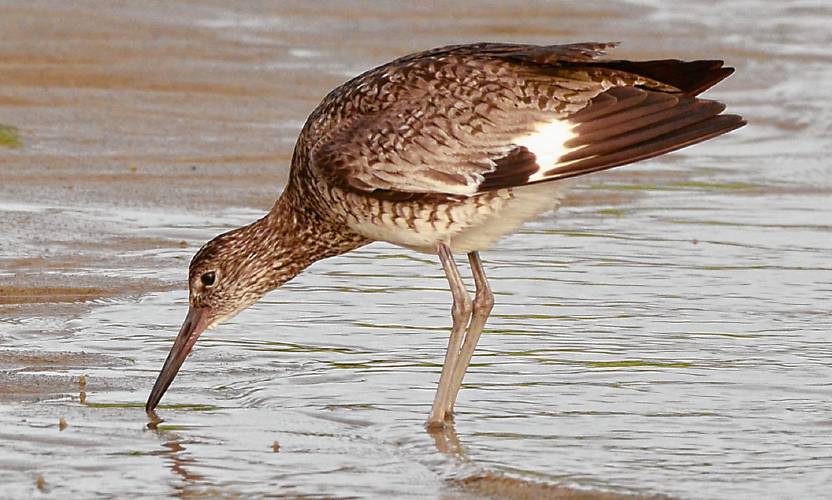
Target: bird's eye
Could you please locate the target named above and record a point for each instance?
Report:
(208, 279)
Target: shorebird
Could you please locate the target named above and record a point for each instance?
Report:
(445, 151)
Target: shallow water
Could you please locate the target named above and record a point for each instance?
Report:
(666, 332)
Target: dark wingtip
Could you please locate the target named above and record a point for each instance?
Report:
(691, 77)
(710, 79)
(733, 122)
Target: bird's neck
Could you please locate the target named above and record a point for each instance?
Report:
(290, 238)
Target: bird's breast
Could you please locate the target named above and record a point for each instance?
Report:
(467, 224)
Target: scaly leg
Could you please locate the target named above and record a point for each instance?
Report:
(461, 315)
(483, 302)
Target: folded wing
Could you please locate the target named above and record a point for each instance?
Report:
(459, 121)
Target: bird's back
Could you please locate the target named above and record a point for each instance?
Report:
(441, 141)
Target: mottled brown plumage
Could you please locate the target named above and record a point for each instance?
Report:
(446, 151)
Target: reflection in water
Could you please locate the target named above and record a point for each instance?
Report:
(447, 441)
(666, 331)
(176, 454)
(179, 458)
(154, 420)
(472, 479)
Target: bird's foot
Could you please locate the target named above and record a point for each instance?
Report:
(440, 423)
(437, 424)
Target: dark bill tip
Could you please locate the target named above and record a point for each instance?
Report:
(195, 323)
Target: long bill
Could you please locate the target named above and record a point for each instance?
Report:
(196, 322)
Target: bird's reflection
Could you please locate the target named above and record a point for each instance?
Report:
(446, 441)
(176, 454)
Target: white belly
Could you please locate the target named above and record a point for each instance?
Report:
(474, 224)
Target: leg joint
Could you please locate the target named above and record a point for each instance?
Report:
(484, 301)
(462, 305)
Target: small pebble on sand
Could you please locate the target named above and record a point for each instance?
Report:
(40, 483)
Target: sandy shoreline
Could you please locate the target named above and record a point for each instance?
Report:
(94, 132)
(130, 133)
(108, 117)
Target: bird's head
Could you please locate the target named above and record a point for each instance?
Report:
(235, 269)
(228, 274)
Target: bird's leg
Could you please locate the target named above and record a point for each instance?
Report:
(461, 315)
(483, 302)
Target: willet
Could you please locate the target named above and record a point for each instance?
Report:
(445, 151)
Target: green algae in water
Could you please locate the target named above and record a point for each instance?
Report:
(712, 186)
(616, 212)
(635, 363)
(188, 407)
(113, 405)
(9, 136)
(174, 427)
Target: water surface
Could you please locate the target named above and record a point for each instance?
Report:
(664, 333)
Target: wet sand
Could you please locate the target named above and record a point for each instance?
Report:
(130, 133)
